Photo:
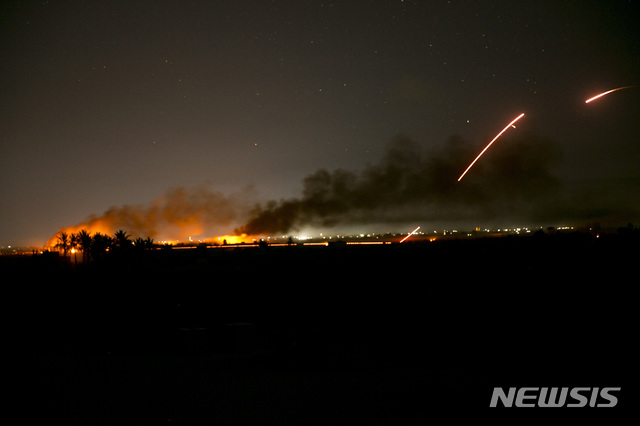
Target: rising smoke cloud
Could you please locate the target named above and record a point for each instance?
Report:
(406, 185)
(178, 213)
(512, 182)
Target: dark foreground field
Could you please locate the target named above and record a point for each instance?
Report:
(394, 334)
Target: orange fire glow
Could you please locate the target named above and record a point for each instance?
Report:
(91, 228)
(233, 239)
(178, 215)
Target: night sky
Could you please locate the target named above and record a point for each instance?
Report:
(354, 115)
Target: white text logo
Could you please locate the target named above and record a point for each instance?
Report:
(555, 397)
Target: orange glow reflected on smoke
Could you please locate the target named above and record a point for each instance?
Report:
(179, 215)
(92, 228)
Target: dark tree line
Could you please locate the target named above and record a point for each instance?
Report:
(94, 247)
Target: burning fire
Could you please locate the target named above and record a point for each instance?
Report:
(92, 228)
(233, 239)
(173, 216)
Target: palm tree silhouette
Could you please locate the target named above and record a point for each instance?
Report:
(100, 245)
(63, 243)
(85, 240)
(143, 243)
(148, 243)
(121, 240)
(74, 242)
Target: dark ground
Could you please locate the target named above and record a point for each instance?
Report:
(395, 334)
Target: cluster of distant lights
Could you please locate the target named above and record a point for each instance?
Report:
(322, 239)
(372, 238)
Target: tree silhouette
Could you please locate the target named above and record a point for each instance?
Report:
(121, 240)
(85, 241)
(143, 243)
(74, 242)
(63, 243)
(100, 245)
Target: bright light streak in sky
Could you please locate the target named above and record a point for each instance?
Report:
(412, 232)
(606, 93)
(489, 144)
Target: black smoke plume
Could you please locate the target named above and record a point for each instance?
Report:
(512, 180)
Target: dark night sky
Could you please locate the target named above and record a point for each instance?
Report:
(113, 103)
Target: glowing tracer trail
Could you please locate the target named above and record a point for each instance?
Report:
(412, 232)
(489, 144)
(606, 93)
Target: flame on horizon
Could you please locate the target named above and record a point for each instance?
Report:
(178, 214)
(405, 186)
(233, 239)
